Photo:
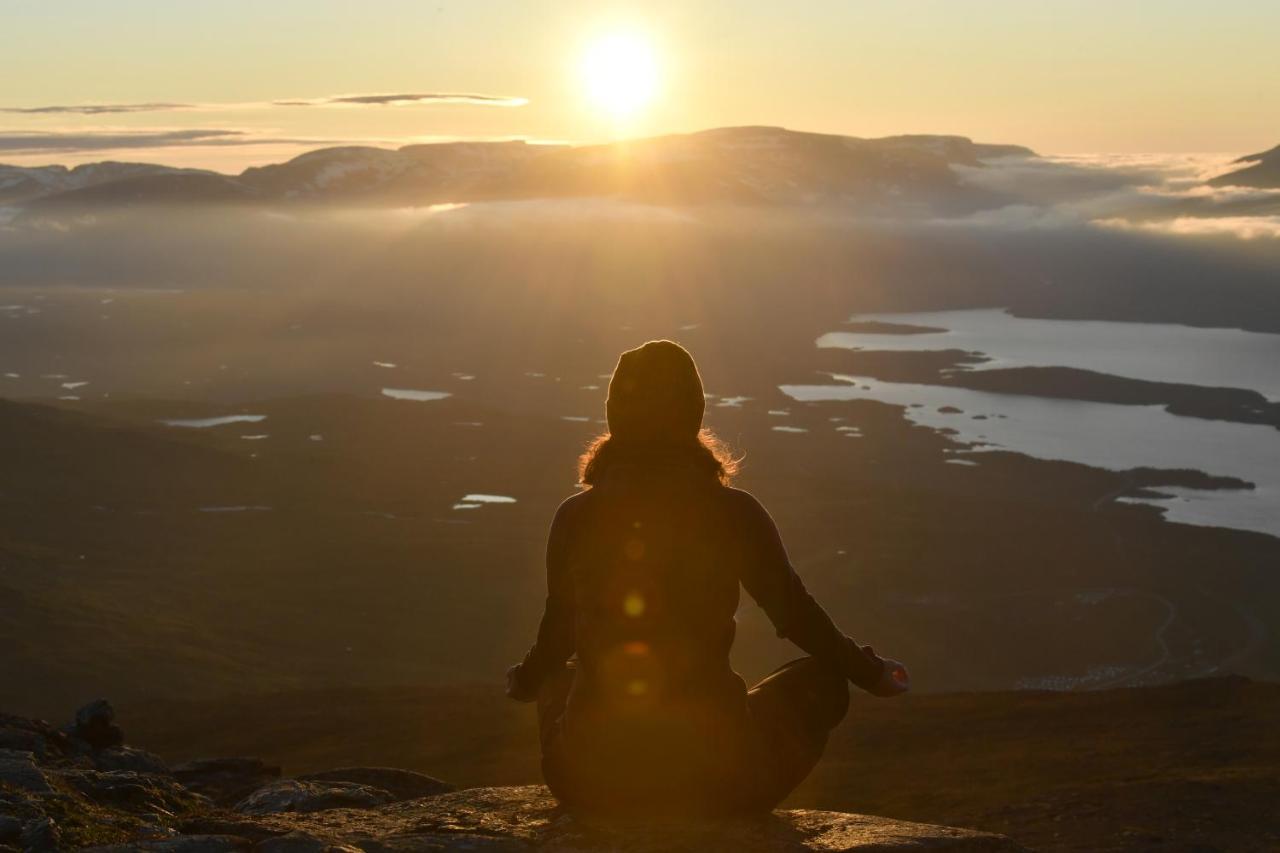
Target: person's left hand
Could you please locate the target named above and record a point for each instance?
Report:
(515, 690)
(894, 681)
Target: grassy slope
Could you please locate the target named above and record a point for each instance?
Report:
(1192, 766)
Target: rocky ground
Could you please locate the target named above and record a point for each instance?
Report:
(1192, 767)
(81, 787)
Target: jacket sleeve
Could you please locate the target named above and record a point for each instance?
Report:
(555, 641)
(769, 578)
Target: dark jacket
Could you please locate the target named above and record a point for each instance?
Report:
(654, 555)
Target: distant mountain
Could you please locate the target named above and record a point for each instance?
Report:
(764, 165)
(179, 187)
(1263, 174)
(414, 172)
(20, 184)
(760, 165)
(959, 149)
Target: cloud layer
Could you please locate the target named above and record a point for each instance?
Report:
(358, 100)
(33, 142)
(95, 109)
(1157, 193)
(399, 100)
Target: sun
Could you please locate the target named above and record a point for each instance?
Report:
(620, 73)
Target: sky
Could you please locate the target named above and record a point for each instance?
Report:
(200, 84)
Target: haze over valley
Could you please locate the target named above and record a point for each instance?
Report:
(305, 426)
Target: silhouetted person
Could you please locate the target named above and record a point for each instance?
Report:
(643, 571)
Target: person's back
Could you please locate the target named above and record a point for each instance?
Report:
(653, 557)
(644, 570)
(655, 708)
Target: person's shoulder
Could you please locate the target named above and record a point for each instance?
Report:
(572, 504)
(743, 502)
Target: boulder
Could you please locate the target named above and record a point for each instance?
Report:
(95, 725)
(223, 824)
(156, 829)
(19, 770)
(129, 758)
(291, 795)
(502, 819)
(134, 792)
(10, 827)
(401, 784)
(185, 844)
(23, 740)
(41, 836)
(301, 842)
(226, 781)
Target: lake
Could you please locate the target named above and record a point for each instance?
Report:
(1158, 352)
(1103, 435)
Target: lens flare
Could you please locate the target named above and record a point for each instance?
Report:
(633, 605)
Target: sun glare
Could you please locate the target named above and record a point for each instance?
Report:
(620, 73)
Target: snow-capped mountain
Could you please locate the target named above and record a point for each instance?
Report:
(755, 165)
(19, 184)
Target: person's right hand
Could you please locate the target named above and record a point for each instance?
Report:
(515, 690)
(894, 680)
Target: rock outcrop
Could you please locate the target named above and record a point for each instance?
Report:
(520, 818)
(80, 787)
(400, 784)
(226, 781)
(293, 795)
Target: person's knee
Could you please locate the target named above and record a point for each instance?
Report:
(814, 693)
(839, 702)
(553, 696)
(829, 689)
(833, 688)
(556, 684)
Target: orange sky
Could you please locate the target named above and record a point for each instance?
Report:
(1057, 76)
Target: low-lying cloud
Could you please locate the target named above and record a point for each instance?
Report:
(1157, 193)
(1242, 227)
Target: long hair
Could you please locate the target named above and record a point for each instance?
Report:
(706, 452)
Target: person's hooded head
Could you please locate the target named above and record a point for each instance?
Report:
(655, 395)
(654, 411)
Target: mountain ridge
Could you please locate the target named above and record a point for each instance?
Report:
(752, 164)
(19, 184)
(1263, 173)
